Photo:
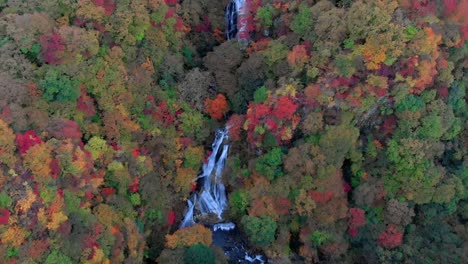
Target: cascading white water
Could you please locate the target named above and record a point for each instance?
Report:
(237, 18)
(212, 197)
(188, 218)
(224, 226)
(230, 17)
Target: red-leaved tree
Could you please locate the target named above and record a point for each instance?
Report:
(163, 114)
(27, 140)
(52, 45)
(235, 124)
(108, 5)
(85, 103)
(391, 238)
(276, 115)
(4, 216)
(357, 219)
(63, 129)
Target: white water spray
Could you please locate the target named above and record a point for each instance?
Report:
(224, 226)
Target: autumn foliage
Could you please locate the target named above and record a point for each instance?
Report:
(52, 45)
(391, 238)
(108, 5)
(235, 125)
(27, 140)
(217, 107)
(298, 56)
(63, 129)
(276, 115)
(347, 139)
(85, 104)
(357, 219)
(7, 144)
(4, 216)
(189, 236)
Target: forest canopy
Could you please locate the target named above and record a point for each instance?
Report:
(347, 129)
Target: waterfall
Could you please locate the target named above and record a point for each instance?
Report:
(230, 18)
(212, 197)
(237, 18)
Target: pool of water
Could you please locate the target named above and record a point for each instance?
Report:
(235, 245)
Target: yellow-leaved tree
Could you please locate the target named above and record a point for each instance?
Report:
(7, 144)
(38, 159)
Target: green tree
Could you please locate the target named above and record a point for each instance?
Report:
(337, 143)
(275, 53)
(265, 15)
(269, 165)
(319, 237)
(431, 127)
(57, 257)
(97, 146)
(5, 200)
(410, 103)
(261, 230)
(192, 123)
(193, 157)
(199, 254)
(260, 95)
(59, 87)
(238, 202)
(302, 23)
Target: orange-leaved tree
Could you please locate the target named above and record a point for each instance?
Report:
(190, 236)
(298, 57)
(217, 107)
